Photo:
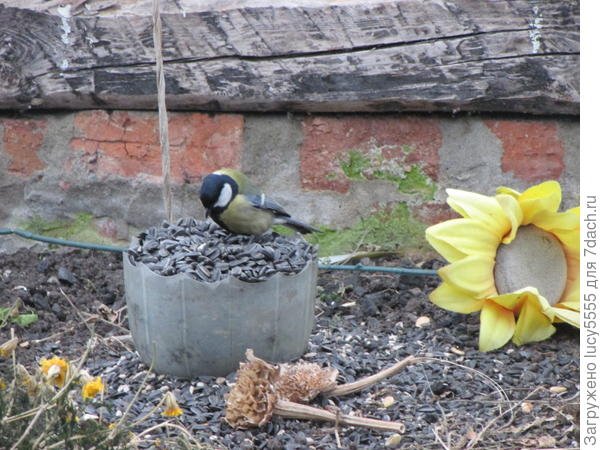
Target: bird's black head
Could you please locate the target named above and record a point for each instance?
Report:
(217, 191)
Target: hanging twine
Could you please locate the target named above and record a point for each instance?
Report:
(163, 124)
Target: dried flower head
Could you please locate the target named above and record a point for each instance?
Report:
(260, 385)
(304, 381)
(172, 409)
(55, 369)
(252, 399)
(8, 347)
(92, 388)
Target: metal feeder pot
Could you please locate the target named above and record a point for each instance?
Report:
(185, 327)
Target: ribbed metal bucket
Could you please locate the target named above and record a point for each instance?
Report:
(188, 328)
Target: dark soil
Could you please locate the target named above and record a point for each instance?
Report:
(511, 398)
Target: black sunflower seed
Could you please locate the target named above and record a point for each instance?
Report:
(206, 252)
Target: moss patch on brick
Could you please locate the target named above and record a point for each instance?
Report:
(80, 229)
(394, 230)
(415, 181)
(355, 166)
(409, 178)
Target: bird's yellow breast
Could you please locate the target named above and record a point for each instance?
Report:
(243, 218)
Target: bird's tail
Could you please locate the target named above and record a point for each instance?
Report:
(297, 225)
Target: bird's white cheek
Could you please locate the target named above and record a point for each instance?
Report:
(224, 196)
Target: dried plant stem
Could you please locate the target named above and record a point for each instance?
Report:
(14, 380)
(294, 410)
(114, 431)
(163, 125)
(488, 425)
(63, 444)
(148, 414)
(363, 383)
(185, 432)
(33, 421)
(77, 311)
(55, 335)
(26, 414)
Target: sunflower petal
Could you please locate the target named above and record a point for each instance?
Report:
(514, 214)
(571, 294)
(497, 326)
(566, 220)
(453, 299)
(532, 325)
(434, 236)
(540, 198)
(508, 191)
(454, 239)
(512, 301)
(564, 225)
(569, 240)
(573, 305)
(473, 274)
(566, 315)
(479, 207)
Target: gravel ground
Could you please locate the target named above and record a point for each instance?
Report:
(518, 397)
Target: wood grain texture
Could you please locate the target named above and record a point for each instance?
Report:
(404, 55)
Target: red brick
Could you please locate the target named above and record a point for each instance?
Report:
(207, 143)
(327, 141)
(126, 144)
(106, 227)
(533, 151)
(432, 213)
(22, 141)
(114, 229)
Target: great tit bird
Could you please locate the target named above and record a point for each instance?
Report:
(239, 207)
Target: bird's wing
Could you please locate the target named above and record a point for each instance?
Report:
(261, 201)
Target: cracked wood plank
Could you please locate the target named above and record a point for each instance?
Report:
(312, 55)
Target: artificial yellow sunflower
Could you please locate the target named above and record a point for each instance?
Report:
(513, 257)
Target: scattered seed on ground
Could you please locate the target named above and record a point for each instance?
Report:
(364, 323)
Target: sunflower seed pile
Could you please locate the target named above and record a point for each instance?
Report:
(208, 253)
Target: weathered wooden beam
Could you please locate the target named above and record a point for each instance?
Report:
(384, 55)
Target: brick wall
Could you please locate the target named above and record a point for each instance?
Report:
(328, 169)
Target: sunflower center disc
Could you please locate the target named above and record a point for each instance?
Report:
(535, 258)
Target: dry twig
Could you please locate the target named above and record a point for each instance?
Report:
(295, 410)
(363, 383)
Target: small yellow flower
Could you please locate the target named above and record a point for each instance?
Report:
(493, 269)
(2, 384)
(92, 388)
(172, 409)
(55, 369)
(8, 347)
